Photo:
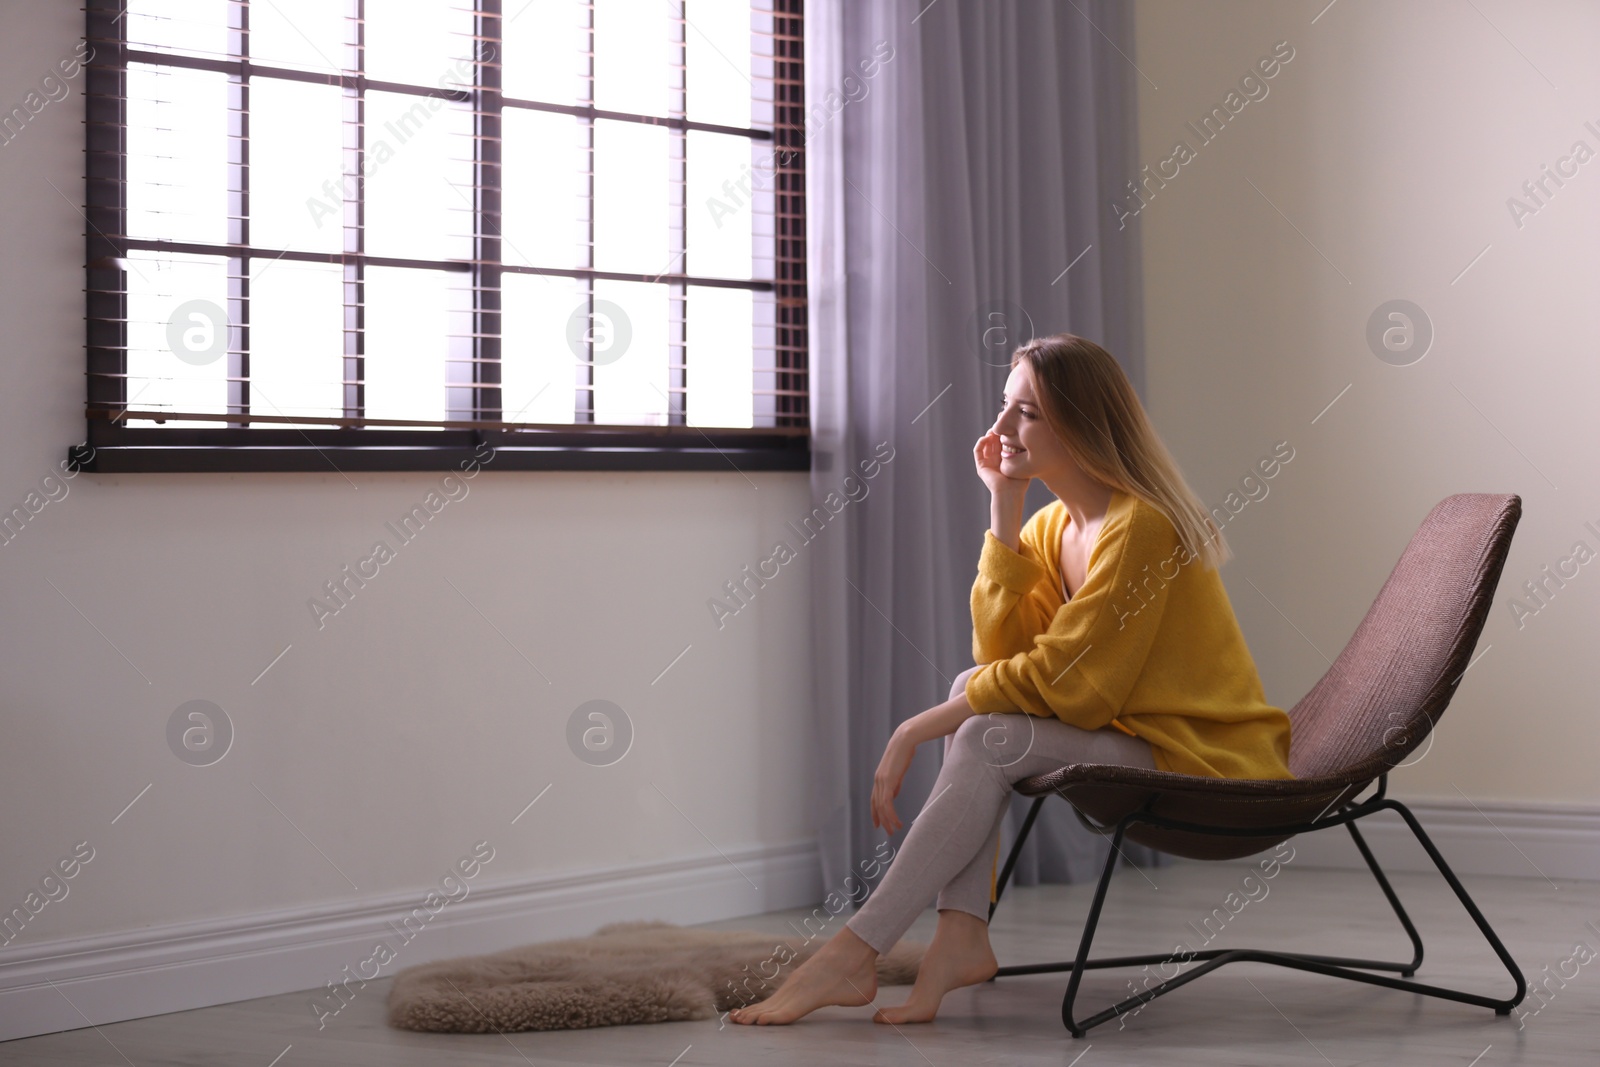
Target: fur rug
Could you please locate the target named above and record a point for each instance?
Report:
(626, 973)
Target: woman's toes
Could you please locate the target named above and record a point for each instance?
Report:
(811, 987)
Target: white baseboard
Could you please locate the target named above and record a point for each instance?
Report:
(1482, 838)
(131, 975)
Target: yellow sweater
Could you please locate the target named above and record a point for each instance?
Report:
(1149, 643)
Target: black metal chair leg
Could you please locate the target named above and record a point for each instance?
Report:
(1358, 970)
(1504, 1007)
(1089, 925)
(1016, 850)
(1394, 900)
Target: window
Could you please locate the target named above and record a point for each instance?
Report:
(378, 234)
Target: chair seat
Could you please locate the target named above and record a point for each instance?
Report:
(1225, 806)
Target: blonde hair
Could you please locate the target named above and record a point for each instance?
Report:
(1090, 404)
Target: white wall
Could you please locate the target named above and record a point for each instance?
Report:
(405, 730)
(1391, 141)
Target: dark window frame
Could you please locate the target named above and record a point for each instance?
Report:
(473, 406)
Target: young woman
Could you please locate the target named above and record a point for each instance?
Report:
(1101, 625)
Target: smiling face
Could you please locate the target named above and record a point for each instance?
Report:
(1029, 448)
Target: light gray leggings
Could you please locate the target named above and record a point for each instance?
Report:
(951, 844)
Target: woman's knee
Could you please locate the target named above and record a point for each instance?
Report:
(960, 685)
(993, 739)
(968, 737)
(996, 739)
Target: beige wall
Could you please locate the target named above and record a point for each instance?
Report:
(407, 728)
(1392, 141)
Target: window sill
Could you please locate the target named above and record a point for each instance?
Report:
(122, 452)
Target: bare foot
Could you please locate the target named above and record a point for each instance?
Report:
(844, 972)
(960, 955)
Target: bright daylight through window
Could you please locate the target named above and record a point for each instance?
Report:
(380, 234)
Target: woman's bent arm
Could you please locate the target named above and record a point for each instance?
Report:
(1005, 518)
(1006, 494)
(937, 721)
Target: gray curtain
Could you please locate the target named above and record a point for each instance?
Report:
(961, 156)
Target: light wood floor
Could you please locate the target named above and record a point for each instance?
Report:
(1243, 1014)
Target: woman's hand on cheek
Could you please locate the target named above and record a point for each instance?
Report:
(986, 455)
(986, 458)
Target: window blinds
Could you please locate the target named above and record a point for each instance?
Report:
(358, 223)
